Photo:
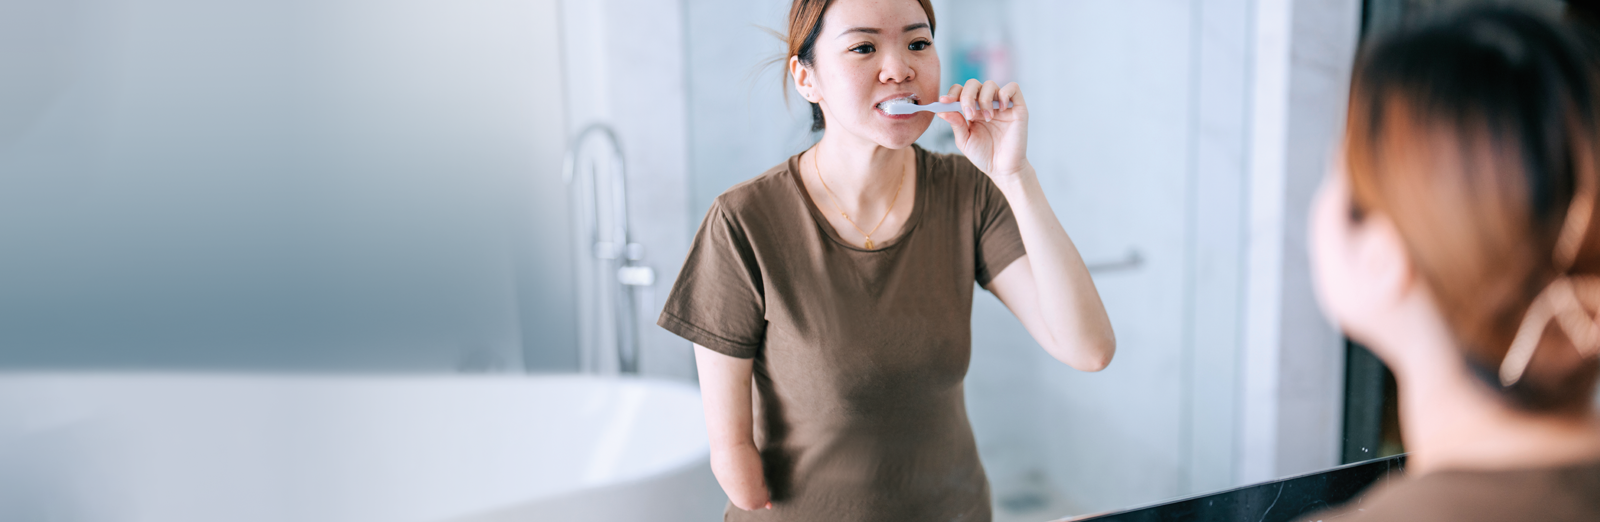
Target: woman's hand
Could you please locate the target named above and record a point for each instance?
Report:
(996, 141)
(738, 471)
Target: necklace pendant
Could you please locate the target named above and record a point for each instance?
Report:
(869, 243)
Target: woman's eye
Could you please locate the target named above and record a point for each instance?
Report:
(863, 49)
(920, 45)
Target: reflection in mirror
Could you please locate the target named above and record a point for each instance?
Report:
(1165, 140)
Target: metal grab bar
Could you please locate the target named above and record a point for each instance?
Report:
(1130, 261)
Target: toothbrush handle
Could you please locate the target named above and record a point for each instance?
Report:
(956, 106)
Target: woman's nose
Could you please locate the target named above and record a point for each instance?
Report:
(896, 69)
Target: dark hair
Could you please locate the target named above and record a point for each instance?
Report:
(805, 23)
(1474, 133)
(1583, 13)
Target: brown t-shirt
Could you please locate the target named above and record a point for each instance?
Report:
(859, 354)
(1565, 494)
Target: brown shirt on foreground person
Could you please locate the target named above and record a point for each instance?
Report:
(1566, 494)
(859, 355)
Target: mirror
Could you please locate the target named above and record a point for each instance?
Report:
(1179, 146)
(1165, 139)
(345, 221)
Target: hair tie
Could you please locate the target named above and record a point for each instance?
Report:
(1561, 303)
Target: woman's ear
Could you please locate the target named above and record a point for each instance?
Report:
(804, 81)
(1383, 260)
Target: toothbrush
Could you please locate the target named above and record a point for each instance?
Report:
(904, 106)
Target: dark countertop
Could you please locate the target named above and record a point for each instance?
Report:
(1277, 501)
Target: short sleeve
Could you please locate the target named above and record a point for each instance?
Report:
(999, 241)
(717, 301)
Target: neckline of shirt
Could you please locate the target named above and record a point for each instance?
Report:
(919, 155)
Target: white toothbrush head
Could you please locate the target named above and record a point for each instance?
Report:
(900, 106)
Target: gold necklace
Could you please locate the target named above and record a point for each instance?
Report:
(814, 164)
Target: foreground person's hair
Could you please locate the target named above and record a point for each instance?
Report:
(1477, 136)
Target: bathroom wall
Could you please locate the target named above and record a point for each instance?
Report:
(740, 123)
(332, 185)
(1292, 378)
(1184, 140)
(1140, 130)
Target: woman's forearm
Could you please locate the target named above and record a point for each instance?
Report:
(1067, 300)
(725, 393)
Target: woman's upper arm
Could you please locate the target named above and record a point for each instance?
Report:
(725, 393)
(1015, 287)
(718, 299)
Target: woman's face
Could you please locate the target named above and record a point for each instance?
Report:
(869, 52)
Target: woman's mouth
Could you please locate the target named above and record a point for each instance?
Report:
(905, 98)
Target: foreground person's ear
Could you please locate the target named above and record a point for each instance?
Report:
(1382, 260)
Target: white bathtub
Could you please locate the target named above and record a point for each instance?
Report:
(241, 448)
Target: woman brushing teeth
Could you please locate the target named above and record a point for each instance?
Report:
(839, 284)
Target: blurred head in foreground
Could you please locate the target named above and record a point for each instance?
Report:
(1455, 232)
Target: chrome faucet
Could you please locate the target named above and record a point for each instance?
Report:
(613, 283)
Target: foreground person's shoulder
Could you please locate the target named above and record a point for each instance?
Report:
(1550, 494)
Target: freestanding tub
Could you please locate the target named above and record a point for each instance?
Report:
(242, 448)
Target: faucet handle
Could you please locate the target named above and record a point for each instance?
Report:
(636, 276)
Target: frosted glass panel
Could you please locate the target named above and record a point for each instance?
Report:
(281, 184)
